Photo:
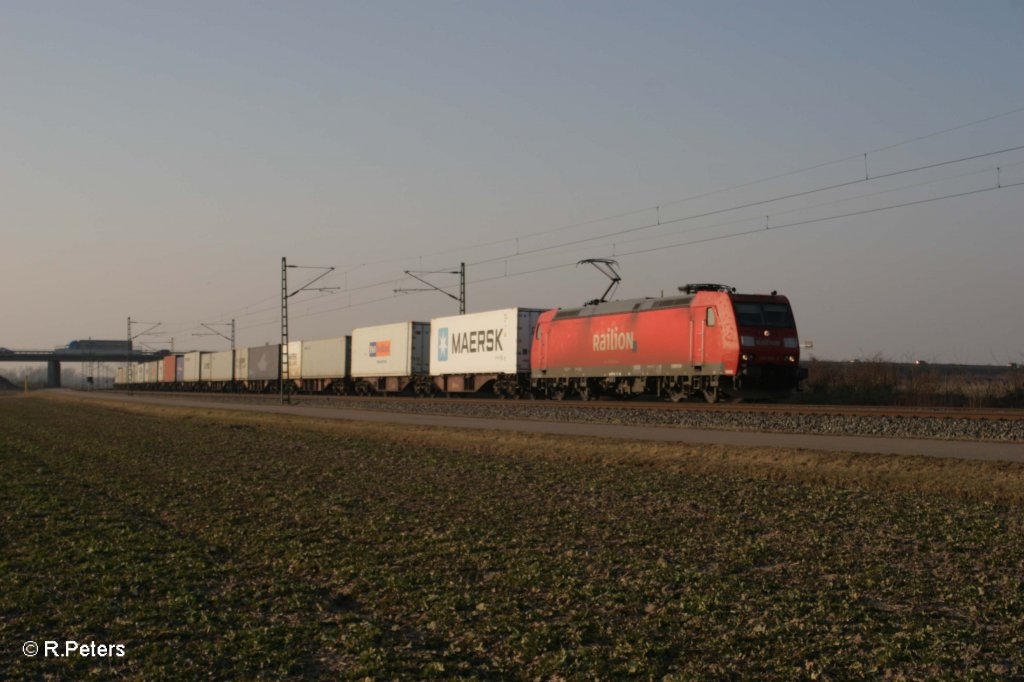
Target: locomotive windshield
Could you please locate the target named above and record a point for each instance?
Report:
(763, 315)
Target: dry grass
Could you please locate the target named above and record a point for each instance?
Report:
(975, 480)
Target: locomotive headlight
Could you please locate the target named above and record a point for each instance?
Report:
(791, 358)
(790, 342)
(746, 340)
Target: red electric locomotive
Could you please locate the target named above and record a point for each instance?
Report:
(707, 341)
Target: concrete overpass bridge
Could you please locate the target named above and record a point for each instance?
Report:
(78, 351)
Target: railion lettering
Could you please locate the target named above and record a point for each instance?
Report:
(613, 339)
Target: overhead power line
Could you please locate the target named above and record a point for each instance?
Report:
(676, 245)
(704, 195)
(728, 209)
(247, 311)
(751, 204)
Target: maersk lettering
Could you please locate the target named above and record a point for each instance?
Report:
(480, 341)
(613, 339)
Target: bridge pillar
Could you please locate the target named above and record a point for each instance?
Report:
(53, 374)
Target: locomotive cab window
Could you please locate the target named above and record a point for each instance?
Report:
(711, 317)
(764, 315)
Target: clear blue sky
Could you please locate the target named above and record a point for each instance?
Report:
(160, 159)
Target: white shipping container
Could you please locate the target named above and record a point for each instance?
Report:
(138, 373)
(391, 350)
(241, 364)
(119, 378)
(325, 358)
(294, 361)
(192, 366)
(153, 373)
(492, 342)
(220, 366)
(205, 366)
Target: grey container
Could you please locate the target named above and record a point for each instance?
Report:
(264, 362)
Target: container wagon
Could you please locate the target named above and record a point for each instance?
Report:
(263, 366)
(222, 371)
(486, 352)
(190, 371)
(392, 358)
(324, 365)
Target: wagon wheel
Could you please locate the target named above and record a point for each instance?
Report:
(711, 394)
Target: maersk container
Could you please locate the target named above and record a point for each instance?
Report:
(391, 350)
(241, 364)
(190, 372)
(264, 362)
(294, 367)
(491, 342)
(324, 359)
(221, 365)
(179, 367)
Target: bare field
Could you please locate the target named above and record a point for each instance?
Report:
(240, 546)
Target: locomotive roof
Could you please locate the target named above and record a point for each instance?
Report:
(640, 304)
(628, 306)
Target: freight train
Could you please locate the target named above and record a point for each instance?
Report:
(707, 341)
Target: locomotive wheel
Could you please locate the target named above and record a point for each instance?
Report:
(711, 394)
(584, 392)
(558, 393)
(676, 396)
